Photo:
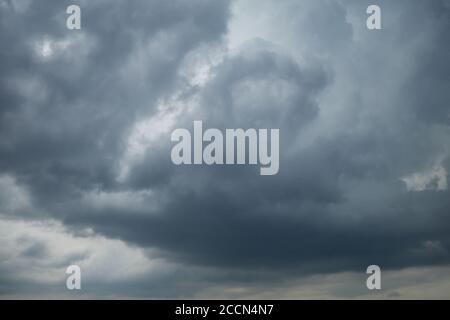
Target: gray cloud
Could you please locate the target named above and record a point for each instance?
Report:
(86, 116)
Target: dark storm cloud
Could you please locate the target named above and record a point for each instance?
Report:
(308, 216)
(69, 140)
(338, 202)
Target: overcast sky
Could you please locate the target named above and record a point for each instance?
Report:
(86, 176)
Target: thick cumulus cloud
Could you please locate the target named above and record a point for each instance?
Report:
(86, 118)
(70, 96)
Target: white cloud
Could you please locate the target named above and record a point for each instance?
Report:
(39, 252)
(434, 178)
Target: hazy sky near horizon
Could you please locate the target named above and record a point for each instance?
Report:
(86, 176)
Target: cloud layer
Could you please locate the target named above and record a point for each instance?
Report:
(85, 169)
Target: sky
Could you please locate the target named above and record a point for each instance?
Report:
(86, 177)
